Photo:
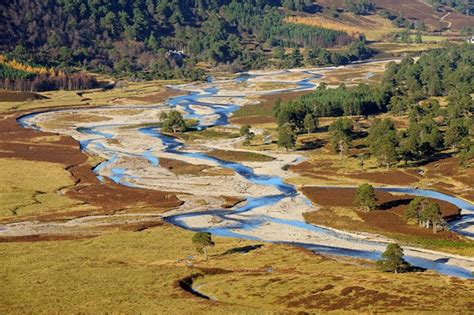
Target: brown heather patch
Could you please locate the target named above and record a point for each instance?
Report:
(389, 220)
(183, 168)
(157, 97)
(390, 177)
(43, 238)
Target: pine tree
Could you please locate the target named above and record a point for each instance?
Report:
(287, 136)
(418, 38)
(432, 216)
(296, 58)
(365, 197)
(414, 209)
(382, 141)
(455, 133)
(392, 259)
(279, 53)
(152, 43)
(203, 241)
(174, 122)
(245, 131)
(310, 123)
(341, 135)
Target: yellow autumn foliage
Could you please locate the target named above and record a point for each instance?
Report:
(326, 23)
(27, 68)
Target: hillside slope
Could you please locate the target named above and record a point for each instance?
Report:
(164, 36)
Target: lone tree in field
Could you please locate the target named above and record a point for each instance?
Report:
(202, 241)
(287, 136)
(174, 122)
(365, 197)
(392, 259)
(247, 133)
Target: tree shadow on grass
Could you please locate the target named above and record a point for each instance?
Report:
(415, 269)
(323, 129)
(394, 203)
(432, 158)
(359, 135)
(241, 250)
(312, 145)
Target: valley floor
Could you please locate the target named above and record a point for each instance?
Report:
(109, 248)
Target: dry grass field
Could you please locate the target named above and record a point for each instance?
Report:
(373, 26)
(151, 92)
(130, 272)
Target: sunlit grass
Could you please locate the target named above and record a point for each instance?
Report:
(32, 188)
(137, 272)
(92, 97)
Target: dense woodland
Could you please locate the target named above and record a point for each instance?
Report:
(409, 88)
(317, 56)
(155, 38)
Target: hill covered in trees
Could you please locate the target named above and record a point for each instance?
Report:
(163, 38)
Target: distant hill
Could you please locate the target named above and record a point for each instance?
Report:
(160, 38)
(437, 15)
(146, 39)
